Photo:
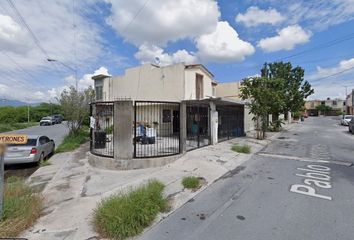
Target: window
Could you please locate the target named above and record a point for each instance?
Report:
(334, 103)
(199, 94)
(166, 115)
(99, 92)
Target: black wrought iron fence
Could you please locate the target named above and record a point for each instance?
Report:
(156, 129)
(198, 128)
(230, 122)
(101, 129)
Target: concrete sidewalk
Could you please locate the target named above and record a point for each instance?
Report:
(72, 188)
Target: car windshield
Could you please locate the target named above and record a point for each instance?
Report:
(348, 117)
(30, 142)
(46, 118)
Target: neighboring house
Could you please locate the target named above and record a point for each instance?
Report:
(337, 105)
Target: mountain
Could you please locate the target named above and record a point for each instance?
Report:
(15, 103)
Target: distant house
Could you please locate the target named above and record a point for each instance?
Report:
(337, 105)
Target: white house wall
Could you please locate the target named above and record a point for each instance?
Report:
(190, 85)
(150, 83)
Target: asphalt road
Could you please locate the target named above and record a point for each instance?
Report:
(262, 199)
(56, 132)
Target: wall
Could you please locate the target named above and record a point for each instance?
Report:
(228, 90)
(190, 87)
(148, 82)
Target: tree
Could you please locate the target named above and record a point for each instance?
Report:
(265, 96)
(75, 107)
(323, 108)
(295, 88)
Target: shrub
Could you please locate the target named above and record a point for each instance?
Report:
(241, 148)
(191, 182)
(73, 141)
(126, 215)
(22, 206)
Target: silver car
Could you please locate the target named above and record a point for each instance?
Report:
(36, 149)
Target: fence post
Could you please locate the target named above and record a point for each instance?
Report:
(2, 180)
(183, 127)
(213, 124)
(123, 129)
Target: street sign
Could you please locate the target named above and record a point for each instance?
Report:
(13, 138)
(7, 139)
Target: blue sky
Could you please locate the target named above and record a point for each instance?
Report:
(232, 38)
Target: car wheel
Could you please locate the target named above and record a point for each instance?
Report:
(41, 159)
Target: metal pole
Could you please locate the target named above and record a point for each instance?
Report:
(2, 184)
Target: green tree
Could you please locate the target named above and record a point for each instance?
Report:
(264, 96)
(75, 107)
(295, 88)
(323, 109)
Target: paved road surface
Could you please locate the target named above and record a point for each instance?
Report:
(255, 202)
(56, 132)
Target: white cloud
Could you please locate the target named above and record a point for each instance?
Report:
(286, 39)
(160, 22)
(148, 54)
(12, 36)
(342, 66)
(223, 44)
(255, 16)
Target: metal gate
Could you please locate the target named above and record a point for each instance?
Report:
(101, 129)
(156, 129)
(230, 122)
(198, 127)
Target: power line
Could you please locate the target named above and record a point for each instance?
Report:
(324, 45)
(335, 74)
(135, 16)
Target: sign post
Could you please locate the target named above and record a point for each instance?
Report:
(7, 139)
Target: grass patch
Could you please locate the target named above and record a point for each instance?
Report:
(6, 127)
(72, 142)
(241, 148)
(45, 163)
(22, 206)
(191, 182)
(126, 215)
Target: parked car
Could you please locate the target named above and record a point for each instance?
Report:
(36, 149)
(58, 118)
(47, 121)
(351, 125)
(346, 119)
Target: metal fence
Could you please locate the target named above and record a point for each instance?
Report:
(156, 129)
(230, 122)
(101, 129)
(198, 128)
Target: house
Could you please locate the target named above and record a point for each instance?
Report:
(337, 105)
(174, 108)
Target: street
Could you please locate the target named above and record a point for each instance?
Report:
(56, 132)
(298, 187)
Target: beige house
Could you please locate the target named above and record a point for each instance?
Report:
(338, 105)
(151, 82)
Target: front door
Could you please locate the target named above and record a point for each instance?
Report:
(175, 121)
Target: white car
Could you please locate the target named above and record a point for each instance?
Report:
(47, 121)
(346, 119)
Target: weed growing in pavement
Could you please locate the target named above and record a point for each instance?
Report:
(191, 182)
(241, 148)
(125, 215)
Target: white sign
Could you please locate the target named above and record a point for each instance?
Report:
(316, 178)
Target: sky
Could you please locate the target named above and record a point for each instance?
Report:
(232, 38)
